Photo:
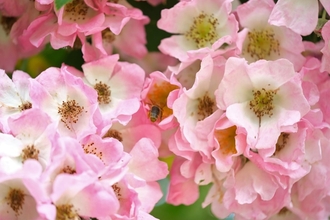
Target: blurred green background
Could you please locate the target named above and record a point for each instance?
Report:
(166, 211)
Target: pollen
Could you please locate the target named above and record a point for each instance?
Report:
(66, 212)
(70, 112)
(158, 94)
(226, 140)
(30, 152)
(92, 149)
(203, 31)
(117, 190)
(263, 102)
(281, 142)
(205, 107)
(7, 23)
(76, 11)
(25, 106)
(113, 133)
(262, 44)
(103, 93)
(107, 36)
(68, 169)
(15, 199)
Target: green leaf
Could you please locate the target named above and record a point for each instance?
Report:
(60, 3)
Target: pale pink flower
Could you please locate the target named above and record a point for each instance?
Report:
(196, 109)
(12, 46)
(310, 195)
(118, 85)
(229, 143)
(267, 98)
(262, 40)
(181, 190)
(67, 100)
(299, 15)
(145, 165)
(106, 42)
(30, 138)
(80, 195)
(289, 158)
(185, 72)
(202, 27)
(325, 50)
(21, 193)
(14, 96)
(129, 134)
(249, 193)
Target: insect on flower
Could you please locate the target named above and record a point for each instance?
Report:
(155, 113)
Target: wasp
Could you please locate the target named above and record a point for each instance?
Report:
(155, 113)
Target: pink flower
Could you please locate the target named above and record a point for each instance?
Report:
(30, 138)
(129, 134)
(12, 46)
(202, 27)
(262, 40)
(158, 94)
(300, 16)
(196, 109)
(325, 50)
(310, 195)
(80, 195)
(118, 85)
(146, 166)
(267, 98)
(21, 193)
(67, 100)
(14, 96)
(182, 190)
(105, 42)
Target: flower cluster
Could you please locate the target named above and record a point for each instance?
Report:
(236, 98)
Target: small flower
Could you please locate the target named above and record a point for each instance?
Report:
(202, 27)
(267, 97)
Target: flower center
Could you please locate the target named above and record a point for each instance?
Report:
(107, 36)
(261, 44)
(157, 95)
(117, 190)
(70, 112)
(226, 139)
(112, 133)
(25, 106)
(30, 152)
(203, 31)
(7, 23)
(103, 93)
(68, 169)
(281, 142)
(262, 102)
(66, 212)
(75, 11)
(205, 107)
(91, 149)
(15, 199)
